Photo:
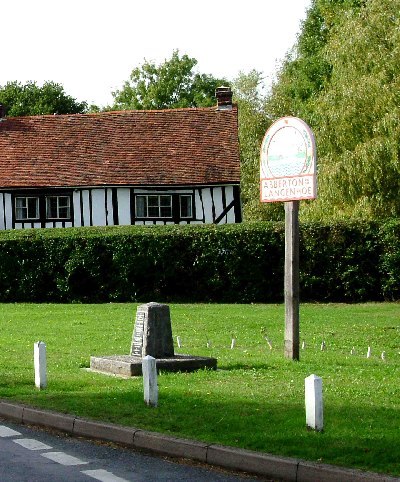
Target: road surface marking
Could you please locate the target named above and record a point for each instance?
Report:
(103, 475)
(7, 432)
(32, 444)
(63, 459)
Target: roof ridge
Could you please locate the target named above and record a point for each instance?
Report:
(122, 112)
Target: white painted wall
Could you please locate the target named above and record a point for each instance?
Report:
(217, 197)
(98, 207)
(207, 204)
(76, 200)
(2, 220)
(230, 217)
(124, 206)
(95, 207)
(86, 207)
(9, 209)
(110, 210)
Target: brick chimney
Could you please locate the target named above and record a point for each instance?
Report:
(224, 98)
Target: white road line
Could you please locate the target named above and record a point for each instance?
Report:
(32, 444)
(63, 459)
(7, 432)
(103, 475)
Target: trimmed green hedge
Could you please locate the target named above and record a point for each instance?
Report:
(232, 263)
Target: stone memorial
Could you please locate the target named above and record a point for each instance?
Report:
(152, 336)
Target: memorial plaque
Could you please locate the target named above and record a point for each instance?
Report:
(137, 338)
(152, 334)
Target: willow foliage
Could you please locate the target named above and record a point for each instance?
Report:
(343, 78)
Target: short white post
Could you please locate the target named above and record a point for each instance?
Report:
(314, 403)
(39, 357)
(150, 386)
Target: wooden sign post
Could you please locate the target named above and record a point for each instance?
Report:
(292, 294)
(288, 174)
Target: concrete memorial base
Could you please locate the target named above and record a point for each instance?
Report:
(131, 366)
(152, 336)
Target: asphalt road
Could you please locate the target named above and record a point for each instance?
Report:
(28, 454)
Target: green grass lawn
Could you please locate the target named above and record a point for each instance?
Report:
(256, 398)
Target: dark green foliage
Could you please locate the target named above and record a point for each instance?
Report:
(30, 99)
(240, 263)
(340, 262)
(342, 78)
(173, 84)
(390, 260)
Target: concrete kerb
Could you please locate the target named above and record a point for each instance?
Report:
(171, 446)
(276, 468)
(269, 466)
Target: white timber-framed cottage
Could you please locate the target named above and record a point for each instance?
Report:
(177, 166)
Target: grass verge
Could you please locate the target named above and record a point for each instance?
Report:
(256, 398)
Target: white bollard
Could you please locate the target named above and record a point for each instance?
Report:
(369, 352)
(39, 358)
(178, 341)
(314, 403)
(150, 386)
(233, 343)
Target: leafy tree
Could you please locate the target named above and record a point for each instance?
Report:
(172, 84)
(357, 116)
(342, 78)
(31, 99)
(305, 70)
(253, 122)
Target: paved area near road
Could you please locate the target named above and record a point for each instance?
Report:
(264, 465)
(33, 454)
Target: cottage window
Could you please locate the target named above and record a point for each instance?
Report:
(26, 208)
(185, 202)
(154, 206)
(58, 207)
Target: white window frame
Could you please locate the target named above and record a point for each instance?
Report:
(26, 208)
(157, 206)
(190, 206)
(58, 207)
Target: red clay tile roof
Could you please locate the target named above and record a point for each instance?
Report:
(165, 147)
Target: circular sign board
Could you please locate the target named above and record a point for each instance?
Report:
(288, 162)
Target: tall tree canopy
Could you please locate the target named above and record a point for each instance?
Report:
(172, 84)
(342, 77)
(30, 99)
(253, 121)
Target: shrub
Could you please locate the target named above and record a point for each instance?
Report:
(231, 263)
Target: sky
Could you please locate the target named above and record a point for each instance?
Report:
(91, 46)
